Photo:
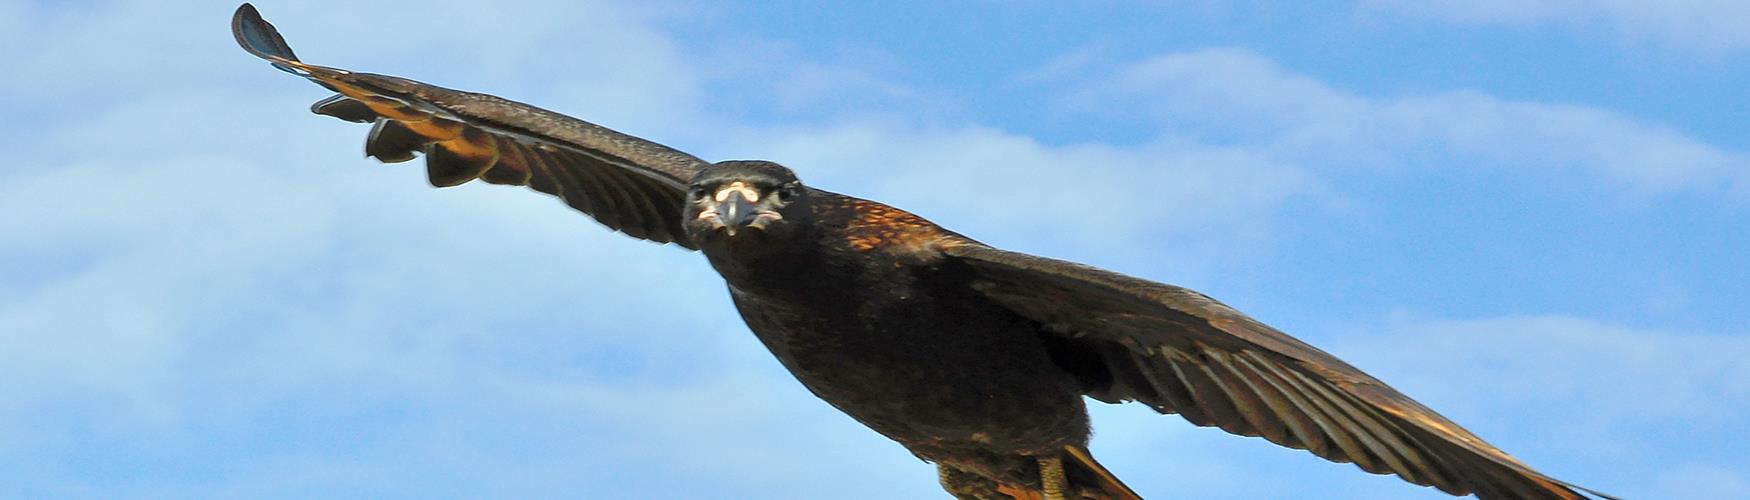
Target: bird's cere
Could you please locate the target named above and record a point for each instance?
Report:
(735, 188)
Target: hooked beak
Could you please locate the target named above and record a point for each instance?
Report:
(735, 213)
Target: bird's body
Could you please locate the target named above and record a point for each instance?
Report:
(888, 331)
(970, 356)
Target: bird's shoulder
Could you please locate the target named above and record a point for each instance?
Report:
(866, 226)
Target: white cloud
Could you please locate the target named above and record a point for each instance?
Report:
(1706, 25)
(1239, 94)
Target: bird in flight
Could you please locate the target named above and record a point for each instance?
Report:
(974, 358)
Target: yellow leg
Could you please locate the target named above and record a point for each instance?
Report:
(1053, 484)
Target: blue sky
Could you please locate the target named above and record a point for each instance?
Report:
(1529, 215)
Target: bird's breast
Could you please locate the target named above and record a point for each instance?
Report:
(919, 360)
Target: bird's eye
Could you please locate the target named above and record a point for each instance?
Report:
(789, 192)
(697, 192)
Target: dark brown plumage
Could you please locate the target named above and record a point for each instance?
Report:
(973, 357)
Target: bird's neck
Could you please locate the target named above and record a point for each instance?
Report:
(763, 265)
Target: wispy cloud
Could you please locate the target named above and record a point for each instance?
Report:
(1239, 95)
(1714, 26)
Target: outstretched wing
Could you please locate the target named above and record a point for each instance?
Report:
(1182, 352)
(629, 184)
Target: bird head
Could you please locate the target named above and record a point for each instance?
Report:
(742, 200)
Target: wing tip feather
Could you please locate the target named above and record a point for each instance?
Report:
(259, 37)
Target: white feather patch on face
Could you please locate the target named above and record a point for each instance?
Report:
(738, 187)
